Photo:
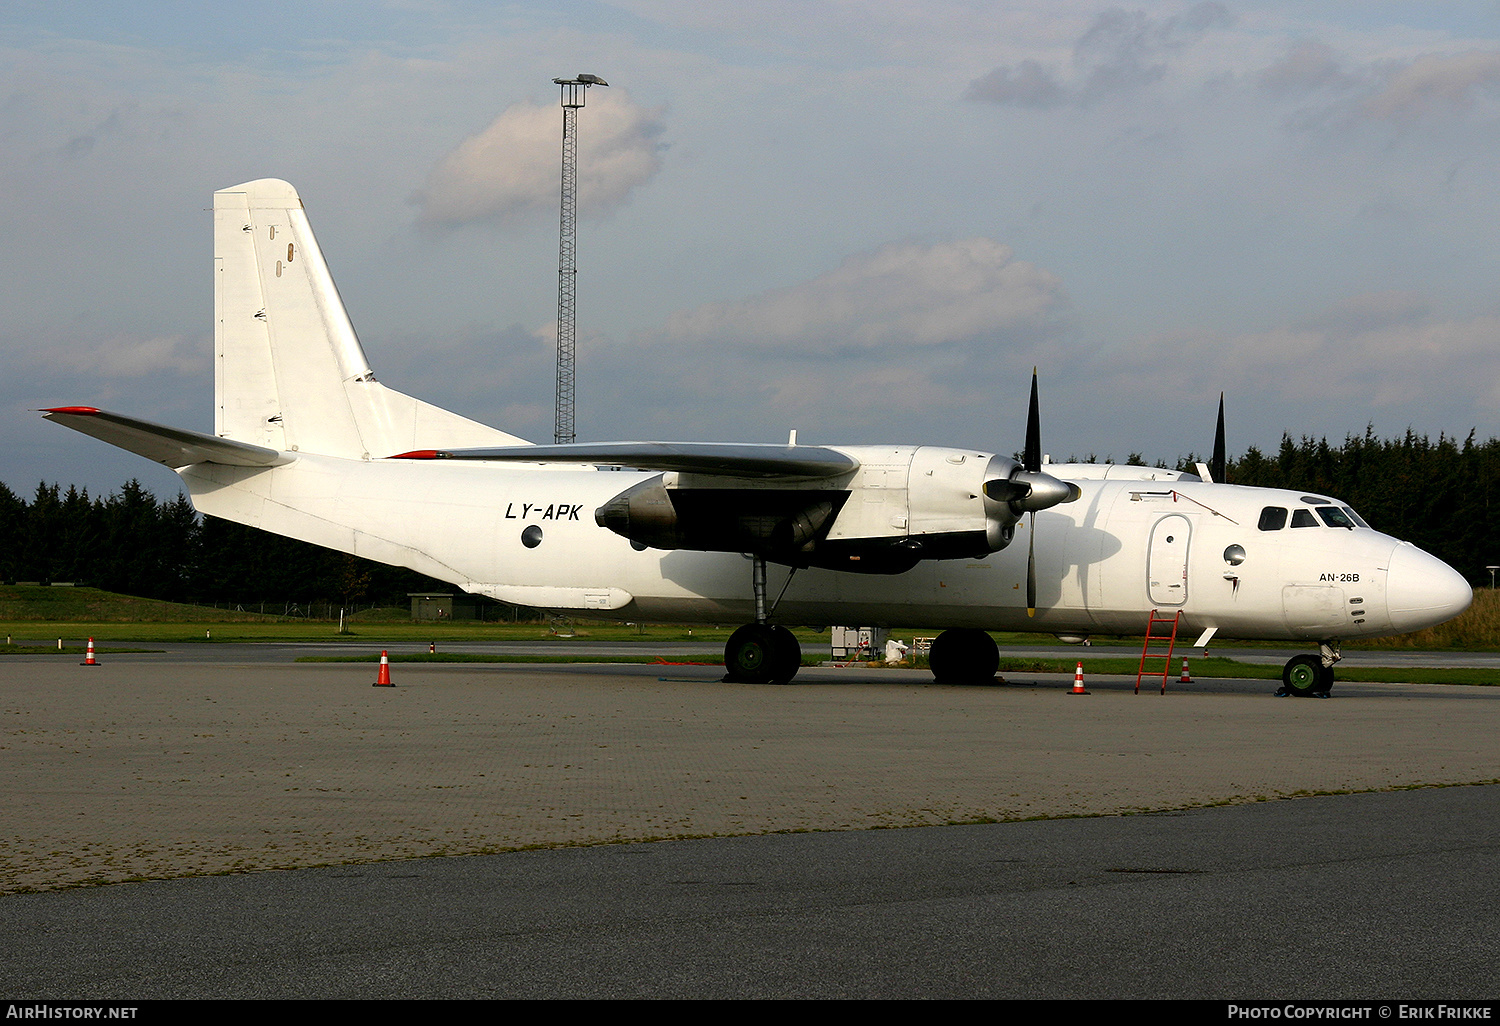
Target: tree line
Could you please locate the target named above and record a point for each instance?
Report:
(134, 543)
(1443, 496)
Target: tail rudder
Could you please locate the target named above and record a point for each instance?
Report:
(289, 371)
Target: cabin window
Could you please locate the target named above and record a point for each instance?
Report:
(1304, 518)
(1335, 517)
(1272, 518)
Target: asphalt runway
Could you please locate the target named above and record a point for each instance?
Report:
(767, 877)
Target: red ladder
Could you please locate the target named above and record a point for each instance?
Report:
(1152, 635)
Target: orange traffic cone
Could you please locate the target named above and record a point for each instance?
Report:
(383, 680)
(88, 659)
(1186, 678)
(1078, 682)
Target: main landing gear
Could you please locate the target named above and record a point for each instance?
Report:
(964, 655)
(762, 652)
(766, 653)
(1310, 676)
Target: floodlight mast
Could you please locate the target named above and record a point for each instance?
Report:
(574, 92)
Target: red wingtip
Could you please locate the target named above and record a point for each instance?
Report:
(416, 454)
(81, 411)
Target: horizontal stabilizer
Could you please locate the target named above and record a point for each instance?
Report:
(171, 446)
(726, 459)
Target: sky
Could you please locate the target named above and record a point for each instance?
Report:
(863, 221)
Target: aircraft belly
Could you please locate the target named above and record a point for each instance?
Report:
(715, 587)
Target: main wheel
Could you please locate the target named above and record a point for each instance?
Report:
(964, 655)
(1305, 676)
(762, 654)
(788, 659)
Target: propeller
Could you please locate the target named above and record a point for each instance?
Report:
(1027, 489)
(1216, 465)
(1032, 457)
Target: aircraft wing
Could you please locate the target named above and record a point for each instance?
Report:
(174, 447)
(725, 459)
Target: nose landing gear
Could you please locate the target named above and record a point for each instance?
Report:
(1310, 676)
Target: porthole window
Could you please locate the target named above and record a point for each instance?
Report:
(1234, 555)
(531, 537)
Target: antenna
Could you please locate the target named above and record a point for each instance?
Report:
(574, 92)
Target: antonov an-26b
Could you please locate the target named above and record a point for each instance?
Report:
(308, 444)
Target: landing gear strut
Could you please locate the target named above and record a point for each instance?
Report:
(1310, 676)
(762, 652)
(964, 655)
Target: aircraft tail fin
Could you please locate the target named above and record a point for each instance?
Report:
(289, 371)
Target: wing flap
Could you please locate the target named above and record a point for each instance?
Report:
(727, 459)
(173, 447)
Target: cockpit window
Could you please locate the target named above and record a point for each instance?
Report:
(1335, 517)
(1356, 518)
(1304, 518)
(1272, 518)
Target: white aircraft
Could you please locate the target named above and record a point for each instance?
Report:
(309, 445)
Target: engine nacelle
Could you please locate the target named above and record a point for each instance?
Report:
(902, 505)
(778, 522)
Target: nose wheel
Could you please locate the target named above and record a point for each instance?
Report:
(1309, 676)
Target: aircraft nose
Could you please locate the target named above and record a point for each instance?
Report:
(1422, 590)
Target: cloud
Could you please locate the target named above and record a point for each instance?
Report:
(1340, 93)
(1029, 85)
(1380, 350)
(901, 294)
(119, 357)
(1121, 51)
(508, 173)
(1309, 66)
(1435, 83)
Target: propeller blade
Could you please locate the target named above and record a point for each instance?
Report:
(1033, 454)
(1028, 489)
(1216, 466)
(1031, 567)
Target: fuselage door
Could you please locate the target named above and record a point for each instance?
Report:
(1167, 563)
